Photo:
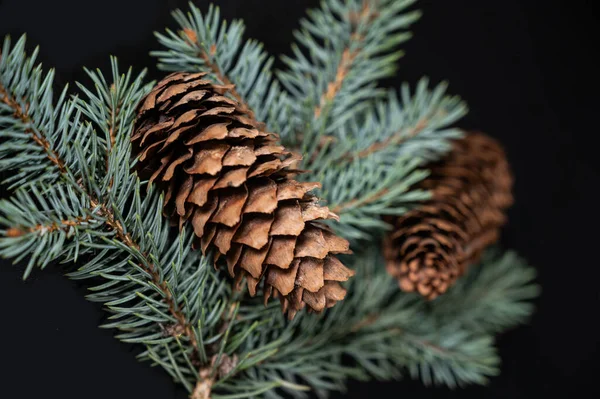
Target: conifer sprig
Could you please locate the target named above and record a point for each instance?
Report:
(388, 334)
(75, 201)
(205, 42)
(154, 287)
(369, 165)
(32, 125)
(342, 49)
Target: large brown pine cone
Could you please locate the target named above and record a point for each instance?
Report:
(432, 245)
(227, 176)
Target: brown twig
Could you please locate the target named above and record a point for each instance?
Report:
(367, 321)
(334, 87)
(112, 134)
(191, 36)
(371, 319)
(21, 114)
(348, 56)
(44, 229)
(112, 130)
(203, 386)
(358, 202)
(394, 139)
(151, 270)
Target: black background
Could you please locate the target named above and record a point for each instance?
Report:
(526, 70)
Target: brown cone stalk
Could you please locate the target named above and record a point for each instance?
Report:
(432, 245)
(228, 177)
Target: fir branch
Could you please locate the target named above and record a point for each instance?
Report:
(394, 139)
(22, 115)
(41, 229)
(388, 334)
(369, 166)
(157, 291)
(405, 122)
(205, 42)
(111, 108)
(333, 88)
(31, 124)
(494, 296)
(38, 222)
(103, 209)
(365, 16)
(342, 49)
(206, 54)
(150, 268)
(361, 191)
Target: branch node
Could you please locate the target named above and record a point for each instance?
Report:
(203, 386)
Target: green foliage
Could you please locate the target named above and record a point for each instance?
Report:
(110, 226)
(32, 125)
(75, 201)
(388, 334)
(205, 42)
(493, 297)
(362, 190)
(43, 221)
(342, 48)
(371, 163)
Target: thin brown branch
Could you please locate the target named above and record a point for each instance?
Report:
(49, 228)
(334, 87)
(203, 386)
(359, 202)
(22, 114)
(125, 238)
(372, 319)
(367, 321)
(112, 130)
(348, 56)
(394, 139)
(191, 36)
(112, 133)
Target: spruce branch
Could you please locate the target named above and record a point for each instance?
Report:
(494, 296)
(387, 334)
(147, 279)
(206, 55)
(29, 119)
(103, 209)
(64, 225)
(77, 202)
(23, 116)
(369, 166)
(205, 42)
(365, 16)
(37, 223)
(363, 145)
(342, 49)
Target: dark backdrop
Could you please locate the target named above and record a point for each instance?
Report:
(526, 71)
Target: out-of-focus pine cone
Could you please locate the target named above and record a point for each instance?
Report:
(230, 179)
(432, 245)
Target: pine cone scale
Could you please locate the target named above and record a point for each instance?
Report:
(282, 251)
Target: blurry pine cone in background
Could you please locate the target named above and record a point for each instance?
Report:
(230, 179)
(432, 245)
